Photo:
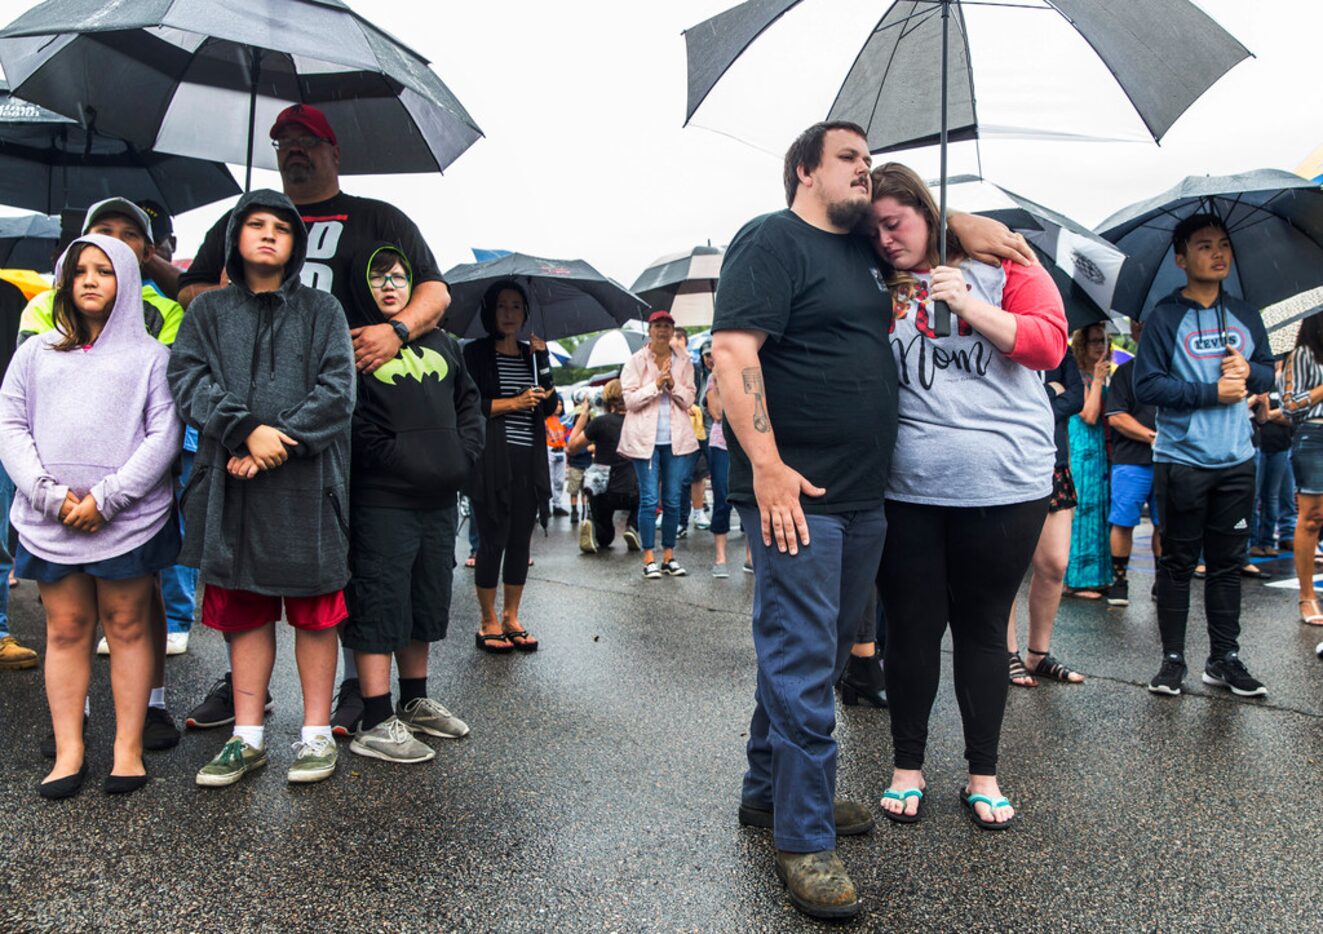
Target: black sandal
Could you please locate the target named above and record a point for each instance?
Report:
(490, 642)
(521, 640)
(1019, 671)
(1049, 667)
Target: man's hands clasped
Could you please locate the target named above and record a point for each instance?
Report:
(1231, 387)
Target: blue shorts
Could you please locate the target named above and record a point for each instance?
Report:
(1132, 487)
(151, 557)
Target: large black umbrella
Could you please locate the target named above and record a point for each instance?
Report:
(912, 82)
(1084, 266)
(1275, 222)
(49, 162)
(567, 296)
(26, 242)
(204, 77)
(683, 283)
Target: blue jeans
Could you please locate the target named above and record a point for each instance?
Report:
(718, 462)
(806, 612)
(686, 494)
(179, 585)
(672, 470)
(6, 559)
(1273, 488)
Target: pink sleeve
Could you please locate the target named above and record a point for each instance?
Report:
(1040, 334)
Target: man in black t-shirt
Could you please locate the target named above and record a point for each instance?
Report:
(1133, 425)
(341, 230)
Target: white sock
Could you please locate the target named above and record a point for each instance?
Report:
(254, 736)
(351, 668)
(87, 706)
(312, 732)
(158, 698)
(229, 653)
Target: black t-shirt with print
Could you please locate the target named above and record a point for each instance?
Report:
(827, 366)
(604, 433)
(340, 230)
(1121, 400)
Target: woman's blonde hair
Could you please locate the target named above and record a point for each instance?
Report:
(613, 397)
(894, 180)
(1079, 345)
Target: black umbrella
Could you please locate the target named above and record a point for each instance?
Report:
(1275, 221)
(1084, 266)
(912, 82)
(27, 242)
(200, 77)
(567, 296)
(682, 283)
(49, 162)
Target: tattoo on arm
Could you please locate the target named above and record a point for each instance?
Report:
(753, 386)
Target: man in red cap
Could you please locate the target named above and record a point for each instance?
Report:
(341, 229)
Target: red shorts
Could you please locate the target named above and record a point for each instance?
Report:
(242, 610)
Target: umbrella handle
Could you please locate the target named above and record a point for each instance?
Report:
(939, 322)
(940, 319)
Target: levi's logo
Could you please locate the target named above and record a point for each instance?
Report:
(1208, 343)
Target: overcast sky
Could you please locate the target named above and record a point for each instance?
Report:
(582, 103)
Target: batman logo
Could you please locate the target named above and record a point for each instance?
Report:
(413, 366)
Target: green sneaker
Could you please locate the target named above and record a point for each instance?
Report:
(424, 715)
(313, 761)
(235, 760)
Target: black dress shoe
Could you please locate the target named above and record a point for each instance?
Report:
(123, 784)
(862, 682)
(48, 744)
(65, 787)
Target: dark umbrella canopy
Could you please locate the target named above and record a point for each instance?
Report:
(683, 283)
(178, 76)
(1275, 221)
(49, 162)
(27, 242)
(567, 296)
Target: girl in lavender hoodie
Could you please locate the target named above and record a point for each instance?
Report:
(88, 431)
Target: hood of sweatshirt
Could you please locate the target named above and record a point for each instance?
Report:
(123, 328)
(365, 311)
(277, 203)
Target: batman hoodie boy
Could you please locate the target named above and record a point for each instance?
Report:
(282, 358)
(418, 425)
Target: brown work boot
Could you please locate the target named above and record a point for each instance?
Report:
(818, 883)
(852, 818)
(13, 655)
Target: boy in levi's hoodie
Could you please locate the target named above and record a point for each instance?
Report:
(264, 369)
(88, 433)
(418, 430)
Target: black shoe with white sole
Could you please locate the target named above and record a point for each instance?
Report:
(651, 571)
(1230, 673)
(1119, 593)
(1169, 677)
(673, 568)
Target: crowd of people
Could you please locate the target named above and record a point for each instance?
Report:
(287, 425)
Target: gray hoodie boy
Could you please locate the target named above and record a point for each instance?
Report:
(283, 359)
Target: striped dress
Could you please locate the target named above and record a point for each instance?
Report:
(516, 376)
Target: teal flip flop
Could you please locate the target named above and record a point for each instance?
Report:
(903, 796)
(970, 800)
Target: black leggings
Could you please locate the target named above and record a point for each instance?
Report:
(507, 528)
(962, 565)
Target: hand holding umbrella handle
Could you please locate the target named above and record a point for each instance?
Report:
(939, 321)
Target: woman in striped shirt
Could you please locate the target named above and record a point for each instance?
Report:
(1301, 385)
(511, 479)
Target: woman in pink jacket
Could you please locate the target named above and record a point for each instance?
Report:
(659, 437)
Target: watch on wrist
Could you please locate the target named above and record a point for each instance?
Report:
(401, 331)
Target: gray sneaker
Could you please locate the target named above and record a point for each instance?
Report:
(392, 741)
(424, 715)
(719, 570)
(235, 760)
(314, 761)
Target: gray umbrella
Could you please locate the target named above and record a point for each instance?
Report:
(567, 296)
(1274, 218)
(610, 348)
(200, 77)
(49, 162)
(27, 242)
(912, 82)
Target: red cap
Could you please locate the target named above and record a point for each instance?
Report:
(660, 316)
(306, 116)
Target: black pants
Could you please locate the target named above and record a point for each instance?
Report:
(604, 507)
(507, 528)
(960, 565)
(1209, 510)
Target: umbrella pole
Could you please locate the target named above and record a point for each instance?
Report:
(941, 319)
(253, 73)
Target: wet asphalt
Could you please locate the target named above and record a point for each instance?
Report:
(598, 788)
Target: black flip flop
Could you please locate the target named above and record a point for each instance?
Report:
(903, 796)
(969, 800)
(486, 642)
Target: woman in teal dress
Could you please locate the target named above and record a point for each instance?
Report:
(1090, 568)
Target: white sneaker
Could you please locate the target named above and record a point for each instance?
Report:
(176, 643)
(103, 647)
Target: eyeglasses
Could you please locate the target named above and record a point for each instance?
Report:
(298, 142)
(394, 280)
